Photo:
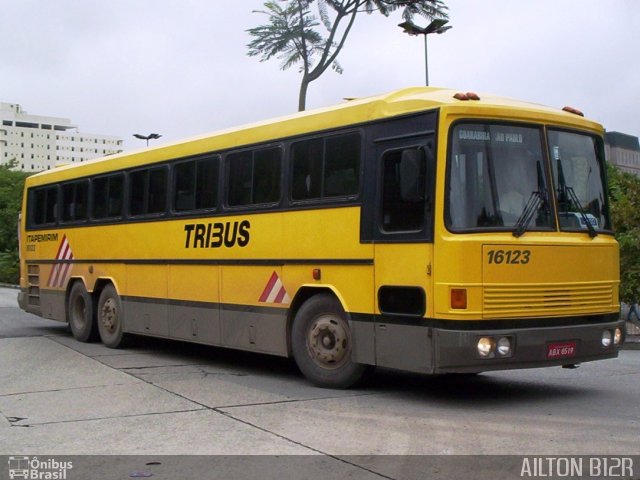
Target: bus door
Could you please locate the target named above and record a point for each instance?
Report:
(403, 238)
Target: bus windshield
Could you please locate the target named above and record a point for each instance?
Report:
(578, 181)
(497, 179)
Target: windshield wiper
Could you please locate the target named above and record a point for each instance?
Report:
(574, 198)
(533, 204)
(565, 192)
(536, 200)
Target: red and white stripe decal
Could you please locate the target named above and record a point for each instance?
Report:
(275, 292)
(61, 270)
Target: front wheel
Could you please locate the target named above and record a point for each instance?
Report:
(322, 344)
(110, 317)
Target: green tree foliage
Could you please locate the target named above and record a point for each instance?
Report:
(11, 186)
(313, 32)
(624, 194)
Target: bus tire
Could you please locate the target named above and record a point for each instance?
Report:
(109, 316)
(322, 345)
(80, 314)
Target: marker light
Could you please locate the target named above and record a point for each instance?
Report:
(575, 111)
(606, 338)
(466, 96)
(459, 298)
(485, 347)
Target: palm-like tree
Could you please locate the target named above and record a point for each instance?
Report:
(292, 31)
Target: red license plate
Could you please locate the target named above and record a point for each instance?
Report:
(561, 350)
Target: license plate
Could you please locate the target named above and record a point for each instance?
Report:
(561, 350)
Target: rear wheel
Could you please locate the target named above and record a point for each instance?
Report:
(80, 314)
(322, 344)
(109, 318)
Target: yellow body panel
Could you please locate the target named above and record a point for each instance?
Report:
(162, 259)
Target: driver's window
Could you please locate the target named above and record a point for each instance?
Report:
(400, 213)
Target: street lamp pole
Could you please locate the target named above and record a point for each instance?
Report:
(436, 26)
(151, 136)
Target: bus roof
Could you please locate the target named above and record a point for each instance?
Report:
(351, 112)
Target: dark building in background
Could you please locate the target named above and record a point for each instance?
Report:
(623, 151)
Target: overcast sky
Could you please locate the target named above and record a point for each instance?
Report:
(179, 67)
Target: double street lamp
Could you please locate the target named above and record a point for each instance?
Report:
(437, 26)
(151, 136)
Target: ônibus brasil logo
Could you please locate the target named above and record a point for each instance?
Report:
(36, 469)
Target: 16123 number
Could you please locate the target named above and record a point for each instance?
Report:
(511, 257)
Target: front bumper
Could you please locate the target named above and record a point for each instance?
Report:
(456, 350)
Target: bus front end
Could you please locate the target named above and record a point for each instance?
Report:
(527, 268)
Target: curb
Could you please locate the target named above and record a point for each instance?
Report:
(632, 342)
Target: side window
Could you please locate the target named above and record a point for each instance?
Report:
(148, 191)
(107, 196)
(307, 159)
(254, 177)
(240, 166)
(157, 190)
(326, 167)
(403, 190)
(137, 181)
(342, 165)
(266, 175)
(75, 200)
(196, 185)
(44, 203)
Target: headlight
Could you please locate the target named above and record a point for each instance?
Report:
(504, 347)
(485, 346)
(606, 338)
(617, 337)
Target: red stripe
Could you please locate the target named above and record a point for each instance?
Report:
(64, 252)
(267, 290)
(54, 271)
(280, 295)
(59, 266)
(64, 238)
(63, 277)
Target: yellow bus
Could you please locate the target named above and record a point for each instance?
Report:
(424, 230)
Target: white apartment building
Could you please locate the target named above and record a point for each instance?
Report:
(38, 142)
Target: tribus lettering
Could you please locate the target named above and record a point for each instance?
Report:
(215, 235)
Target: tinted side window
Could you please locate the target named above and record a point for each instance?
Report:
(137, 182)
(326, 167)
(400, 212)
(107, 196)
(157, 190)
(44, 206)
(207, 173)
(184, 186)
(254, 177)
(75, 199)
(240, 167)
(307, 159)
(148, 191)
(342, 165)
(266, 175)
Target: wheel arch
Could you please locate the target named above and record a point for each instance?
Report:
(102, 282)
